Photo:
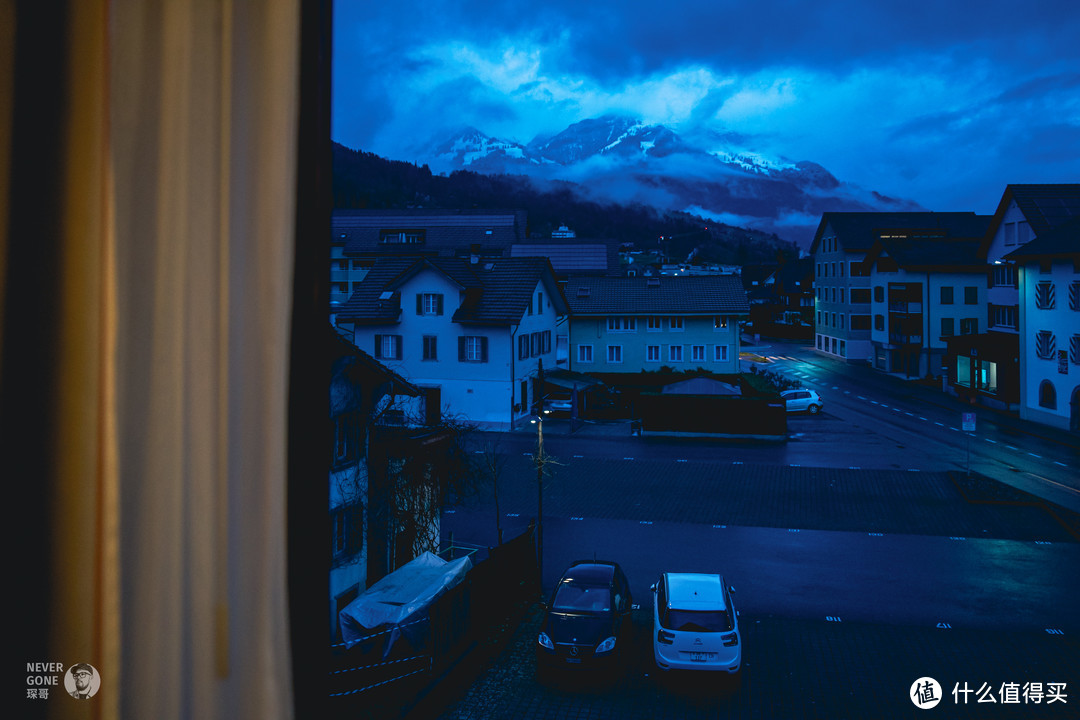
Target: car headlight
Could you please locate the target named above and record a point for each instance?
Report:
(544, 640)
(606, 646)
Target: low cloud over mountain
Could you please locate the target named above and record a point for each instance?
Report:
(621, 159)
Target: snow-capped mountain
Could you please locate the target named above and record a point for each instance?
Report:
(721, 177)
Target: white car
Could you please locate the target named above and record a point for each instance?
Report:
(802, 401)
(695, 626)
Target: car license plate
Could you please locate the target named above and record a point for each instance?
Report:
(699, 656)
(573, 660)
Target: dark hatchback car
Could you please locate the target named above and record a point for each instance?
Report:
(587, 624)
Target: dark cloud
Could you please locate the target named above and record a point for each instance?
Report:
(896, 94)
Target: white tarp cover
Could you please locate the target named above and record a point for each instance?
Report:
(394, 600)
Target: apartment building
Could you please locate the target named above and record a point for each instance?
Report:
(843, 319)
(634, 324)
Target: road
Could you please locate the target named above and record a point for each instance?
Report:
(876, 415)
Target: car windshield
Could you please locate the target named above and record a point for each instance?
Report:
(698, 621)
(582, 598)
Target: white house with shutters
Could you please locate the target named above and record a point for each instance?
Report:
(1049, 288)
(470, 332)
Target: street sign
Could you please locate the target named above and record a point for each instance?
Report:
(969, 422)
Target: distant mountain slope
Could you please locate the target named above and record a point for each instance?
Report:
(365, 180)
(621, 159)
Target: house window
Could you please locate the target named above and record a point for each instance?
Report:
(431, 345)
(654, 324)
(1045, 344)
(879, 322)
(614, 353)
(1047, 395)
(675, 323)
(539, 303)
(948, 327)
(969, 326)
(860, 322)
(523, 347)
(720, 352)
(346, 531)
(720, 322)
(1074, 296)
(621, 324)
(675, 353)
(429, 304)
(1003, 315)
(946, 295)
(1044, 295)
(841, 295)
(387, 347)
(473, 348)
(584, 353)
(545, 341)
(1074, 349)
(1005, 275)
(971, 296)
(879, 294)
(841, 321)
(652, 353)
(697, 353)
(860, 295)
(347, 446)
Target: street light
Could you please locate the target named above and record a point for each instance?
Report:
(539, 422)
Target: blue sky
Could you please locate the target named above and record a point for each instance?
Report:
(942, 103)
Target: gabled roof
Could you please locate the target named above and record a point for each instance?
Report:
(445, 231)
(695, 295)
(495, 292)
(1062, 241)
(858, 230)
(929, 253)
(1044, 206)
(570, 256)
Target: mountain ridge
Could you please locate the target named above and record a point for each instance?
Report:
(623, 159)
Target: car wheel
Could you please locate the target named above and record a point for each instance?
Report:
(814, 409)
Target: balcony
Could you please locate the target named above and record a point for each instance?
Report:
(899, 340)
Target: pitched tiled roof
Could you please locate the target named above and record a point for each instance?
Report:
(927, 252)
(572, 256)
(1063, 240)
(496, 292)
(695, 295)
(858, 230)
(1044, 206)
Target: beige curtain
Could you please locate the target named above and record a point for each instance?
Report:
(166, 497)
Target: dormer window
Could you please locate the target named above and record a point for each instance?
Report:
(401, 237)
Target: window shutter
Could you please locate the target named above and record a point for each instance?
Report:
(419, 303)
(378, 347)
(461, 349)
(483, 348)
(397, 347)
(439, 304)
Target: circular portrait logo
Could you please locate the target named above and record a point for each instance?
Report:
(82, 681)
(925, 693)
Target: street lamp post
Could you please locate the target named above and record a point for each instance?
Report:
(539, 421)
